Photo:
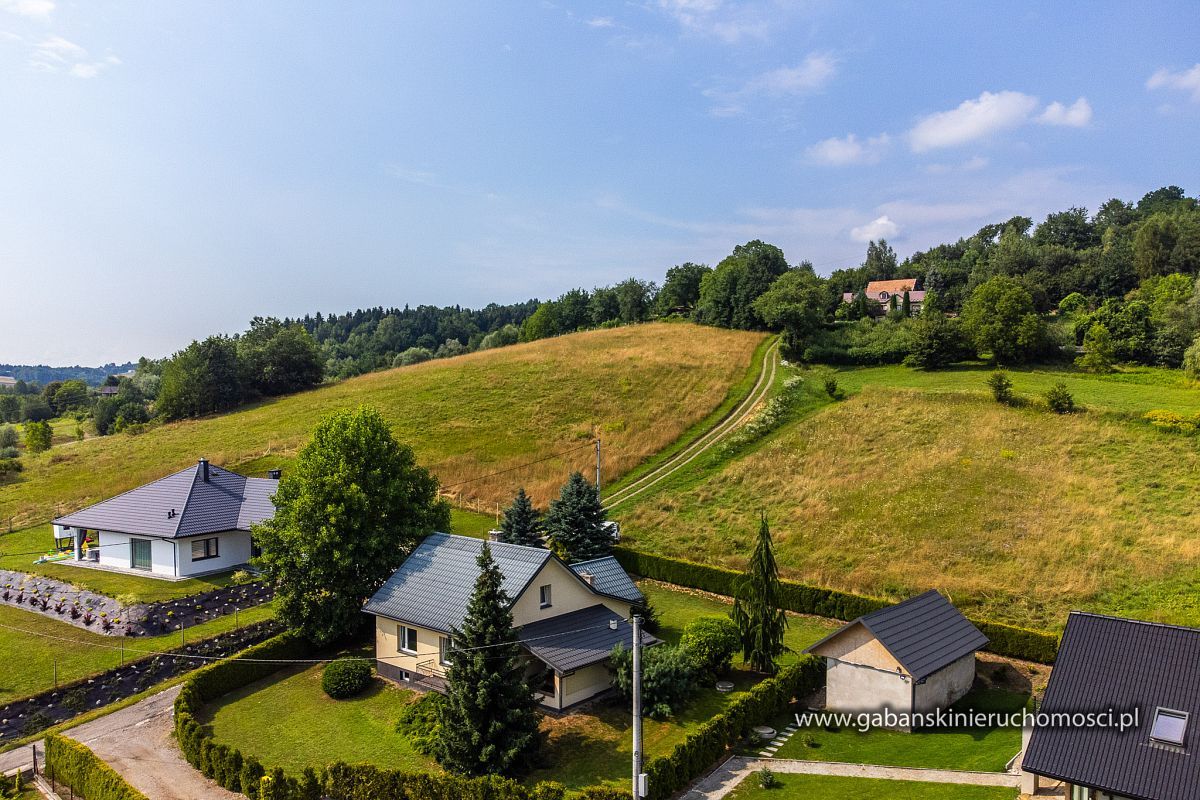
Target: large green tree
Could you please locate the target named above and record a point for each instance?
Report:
(681, 288)
(727, 294)
(202, 378)
(760, 620)
(489, 721)
(575, 523)
(1000, 319)
(797, 304)
(521, 524)
(347, 514)
(277, 358)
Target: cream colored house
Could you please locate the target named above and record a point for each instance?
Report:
(570, 617)
(911, 658)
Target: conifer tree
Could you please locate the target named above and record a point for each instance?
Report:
(489, 722)
(756, 610)
(522, 524)
(575, 523)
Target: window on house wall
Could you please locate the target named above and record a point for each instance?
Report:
(547, 688)
(444, 650)
(204, 548)
(408, 639)
(544, 595)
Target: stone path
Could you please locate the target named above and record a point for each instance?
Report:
(726, 777)
(778, 741)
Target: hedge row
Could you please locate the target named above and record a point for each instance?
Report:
(1006, 640)
(229, 768)
(69, 762)
(696, 754)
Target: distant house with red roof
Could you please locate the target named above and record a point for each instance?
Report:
(882, 292)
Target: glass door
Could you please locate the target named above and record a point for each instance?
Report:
(139, 553)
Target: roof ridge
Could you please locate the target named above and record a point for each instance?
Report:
(1150, 623)
(187, 501)
(127, 491)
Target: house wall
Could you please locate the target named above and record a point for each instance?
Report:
(568, 593)
(233, 547)
(583, 684)
(857, 645)
(861, 689)
(115, 552)
(944, 687)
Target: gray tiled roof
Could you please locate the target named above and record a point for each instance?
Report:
(579, 638)
(432, 587)
(227, 501)
(925, 633)
(1109, 663)
(609, 577)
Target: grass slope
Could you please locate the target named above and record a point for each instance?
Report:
(638, 387)
(921, 480)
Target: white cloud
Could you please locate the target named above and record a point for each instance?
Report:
(94, 68)
(56, 54)
(28, 8)
(1076, 115)
(1184, 81)
(878, 228)
(813, 73)
(835, 152)
(728, 22)
(601, 22)
(973, 119)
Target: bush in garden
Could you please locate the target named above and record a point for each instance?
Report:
(419, 722)
(1001, 386)
(711, 642)
(766, 778)
(669, 677)
(1059, 399)
(346, 677)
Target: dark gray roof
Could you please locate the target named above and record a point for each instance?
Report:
(610, 578)
(925, 633)
(432, 587)
(226, 501)
(579, 638)
(1109, 663)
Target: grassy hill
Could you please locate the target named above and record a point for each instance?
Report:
(638, 388)
(920, 480)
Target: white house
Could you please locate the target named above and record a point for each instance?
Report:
(194, 522)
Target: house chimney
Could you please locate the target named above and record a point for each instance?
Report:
(275, 474)
(204, 469)
(588, 578)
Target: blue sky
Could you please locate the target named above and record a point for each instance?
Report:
(168, 170)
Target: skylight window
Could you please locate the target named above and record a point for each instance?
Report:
(1169, 727)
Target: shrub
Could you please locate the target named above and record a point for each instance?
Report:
(831, 386)
(9, 466)
(711, 643)
(419, 722)
(1059, 399)
(76, 766)
(669, 677)
(1191, 360)
(9, 452)
(1001, 386)
(8, 436)
(1173, 421)
(605, 793)
(766, 778)
(38, 436)
(346, 677)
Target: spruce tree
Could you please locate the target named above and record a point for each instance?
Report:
(489, 722)
(756, 610)
(521, 524)
(575, 524)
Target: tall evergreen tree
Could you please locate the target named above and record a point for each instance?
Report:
(756, 610)
(575, 524)
(522, 524)
(489, 722)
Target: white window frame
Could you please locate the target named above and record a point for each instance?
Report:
(1176, 714)
(444, 646)
(545, 595)
(402, 635)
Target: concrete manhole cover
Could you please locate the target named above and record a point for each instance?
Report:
(725, 686)
(764, 732)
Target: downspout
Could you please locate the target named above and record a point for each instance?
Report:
(175, 557)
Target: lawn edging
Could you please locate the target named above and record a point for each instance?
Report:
(232, 770)
(1005, 640)
(72, 764)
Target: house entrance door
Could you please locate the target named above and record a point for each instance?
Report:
(140, 553)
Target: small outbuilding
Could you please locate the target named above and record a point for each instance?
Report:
(910, 658)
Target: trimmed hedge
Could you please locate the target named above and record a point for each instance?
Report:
(71, 763)
(345, 677)
(229, 768)
(1006, 640)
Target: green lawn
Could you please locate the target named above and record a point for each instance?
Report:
(16, 547)
(984, 750)
(920, 480)
(286, 720)
(28, 655)
(827, 787)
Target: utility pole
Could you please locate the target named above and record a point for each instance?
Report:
(597, 467)
(638, 780)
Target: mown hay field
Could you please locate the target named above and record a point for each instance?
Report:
(1018, 514)
(638, 388)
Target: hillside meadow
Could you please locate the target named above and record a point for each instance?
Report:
(638, 388)
(920, 480)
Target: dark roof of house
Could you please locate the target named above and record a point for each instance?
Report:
(610, 578)
(579, 638)
(925, 633)
(1110, 663)
(183, 504)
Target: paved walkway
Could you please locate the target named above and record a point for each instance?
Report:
(138, 742)
(727, 776)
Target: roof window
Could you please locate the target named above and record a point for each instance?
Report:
(1170, 727)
